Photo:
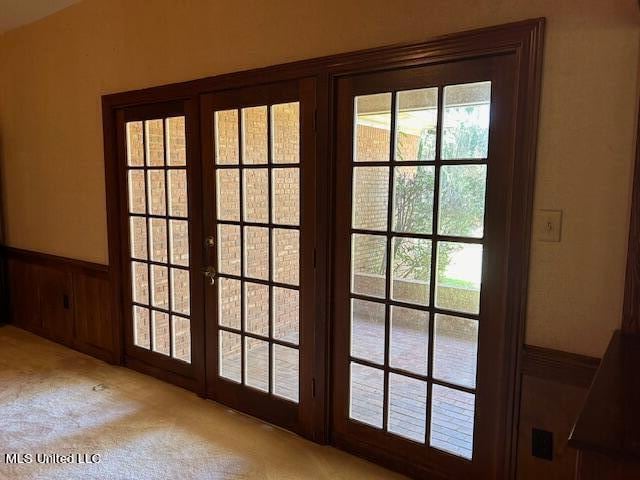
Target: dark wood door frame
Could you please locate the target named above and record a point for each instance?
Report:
(631, 307)
(523, 39)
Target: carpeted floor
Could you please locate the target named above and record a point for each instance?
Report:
(54, 400)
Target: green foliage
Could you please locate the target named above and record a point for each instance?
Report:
(462, 191)
(467, 138)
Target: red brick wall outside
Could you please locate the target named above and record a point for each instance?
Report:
(285, 206)
(177, 252)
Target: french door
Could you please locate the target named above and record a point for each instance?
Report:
(423, 162)
(258, 154)
(163, 317)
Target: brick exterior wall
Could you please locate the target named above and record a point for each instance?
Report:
(148, 194)
(285, 205)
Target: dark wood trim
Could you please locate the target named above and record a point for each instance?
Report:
(564, 367)
(112, 189)
(196, 231)
(187, 383)
(631, 306)
(526, 149)
(56, 261)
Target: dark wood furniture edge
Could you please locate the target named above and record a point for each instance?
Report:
(563, 367)
(608, 422)
(576, 437)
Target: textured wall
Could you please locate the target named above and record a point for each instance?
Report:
(54, 71)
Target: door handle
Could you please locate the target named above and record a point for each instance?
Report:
(210, 274)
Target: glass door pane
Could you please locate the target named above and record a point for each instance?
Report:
(257, 168)
(413, 359)
(159, 236)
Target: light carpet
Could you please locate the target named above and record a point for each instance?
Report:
(54, 400)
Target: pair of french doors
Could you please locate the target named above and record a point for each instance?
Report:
(220, 274)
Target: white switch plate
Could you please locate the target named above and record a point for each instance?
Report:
(548, 225)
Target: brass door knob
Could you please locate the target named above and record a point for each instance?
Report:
(210, 273)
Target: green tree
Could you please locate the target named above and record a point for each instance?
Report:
(462, 191)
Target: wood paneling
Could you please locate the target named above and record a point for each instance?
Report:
(35, 288)
(23, 294)
(554, 386)
(554, 383)
(54, 287)
(64, 300)
(93, 319)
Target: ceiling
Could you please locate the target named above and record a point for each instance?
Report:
(15, 13)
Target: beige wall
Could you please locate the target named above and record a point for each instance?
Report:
(53, 72)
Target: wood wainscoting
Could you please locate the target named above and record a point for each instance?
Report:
(553, 389)
(67, 301)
